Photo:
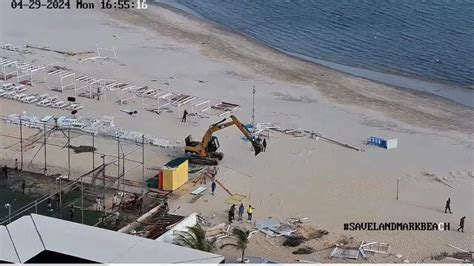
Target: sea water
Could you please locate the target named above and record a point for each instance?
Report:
(425, 45)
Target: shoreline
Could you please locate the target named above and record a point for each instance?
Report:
(449, 91)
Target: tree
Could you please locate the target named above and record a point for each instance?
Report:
(195, 238)
(241, 241)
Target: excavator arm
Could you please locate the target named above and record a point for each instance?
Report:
(221, 125)
(257, 146)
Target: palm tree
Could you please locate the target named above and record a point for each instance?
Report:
(195, 238)
(242, 240)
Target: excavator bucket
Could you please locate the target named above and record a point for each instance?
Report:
(257, 147)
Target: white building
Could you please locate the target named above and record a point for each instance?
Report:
(41, 239)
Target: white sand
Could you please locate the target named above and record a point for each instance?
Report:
(327, 183)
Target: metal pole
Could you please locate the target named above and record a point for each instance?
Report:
(118, 163)
(143, 165)
(398, 181)
(60, 199)
(21, 145)
(103, 172)
(8, 206)
(123, 172)
(82, 200)
(105, 213)
(68, 152)
(253, 109)
(44, 144)
(93, 151)
(103, 176)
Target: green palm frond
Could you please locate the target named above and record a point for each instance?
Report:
(195, 238)
(241, 240)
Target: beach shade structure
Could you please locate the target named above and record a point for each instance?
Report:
(87, 83)
(9, 68)
(127, 93)
(103, 54)
(173, 175)
(109, 53)
(158, 100)
(12, 48)
(27, 71)
(178, 100)
(114, 86)
(66, 79)
(200, 105)
(224, 108)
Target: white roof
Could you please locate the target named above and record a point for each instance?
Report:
(25, 238)
(7, 250)
(34, 233)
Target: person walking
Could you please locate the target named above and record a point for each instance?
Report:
(241, 211)
(264, 144)
(231, 213)
(249, 213)
(16, 164)
(461, 224)
(213, 187)
(448, 206)
(23, 186)
(71, 213)
(5, 171)
(185, 113)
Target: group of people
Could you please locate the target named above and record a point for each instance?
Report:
(447, 208)
(241, 210)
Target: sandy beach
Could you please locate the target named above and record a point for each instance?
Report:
(296, 177)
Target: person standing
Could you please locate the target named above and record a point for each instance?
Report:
(139, 205)
(213, 187)
(5, 171)
(241, 211)
(249, 213)
(98, 203)
(448, 206)
(49, 205)
(16, 164)
(461, 224)
(231, 213)
(71, 213)
(264, 144)
(185, 113)
(114, 201)
(117, 218)
(23, 186)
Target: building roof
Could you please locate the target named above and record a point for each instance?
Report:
(7, 250)
(28, 236)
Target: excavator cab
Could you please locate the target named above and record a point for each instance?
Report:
(189, 141)
(213, 145)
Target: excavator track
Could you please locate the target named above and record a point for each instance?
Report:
(203, 160)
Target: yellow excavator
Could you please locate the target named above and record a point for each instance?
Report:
(205, 152)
